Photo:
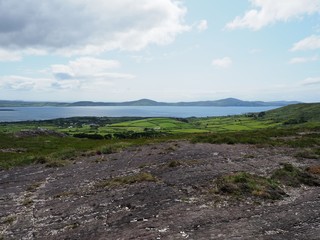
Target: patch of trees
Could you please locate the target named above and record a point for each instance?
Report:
(295, 121)
(89, 136)
(147, 133)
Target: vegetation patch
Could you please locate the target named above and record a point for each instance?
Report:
(109, 149)
(174, 163)
(314, 170)
(27, 202)
(55, 163)
(306, 154)
(9, 220)
(244, 184)
(33, 187)
(292, 176)
(63, 195)
(127, 180)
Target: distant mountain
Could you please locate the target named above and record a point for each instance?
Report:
(141, 102)
(228, 102)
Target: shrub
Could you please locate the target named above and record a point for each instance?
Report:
(108, 149)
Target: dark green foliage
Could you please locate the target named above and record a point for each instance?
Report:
(147, 133)
(88, 136)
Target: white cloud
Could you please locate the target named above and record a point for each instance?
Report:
(303, 60)
(310, 81)
(81, 73)
(202, 25)
(88, 69)
(24, 83)
(265, 12)
(309, 43)
(7, 56)
(222, 62)
(89, 26)
(86, 66)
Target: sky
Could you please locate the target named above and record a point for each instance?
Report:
(165, 50)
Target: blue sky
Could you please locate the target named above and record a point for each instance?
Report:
(166, 50)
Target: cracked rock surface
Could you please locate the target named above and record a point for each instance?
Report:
(93, 198)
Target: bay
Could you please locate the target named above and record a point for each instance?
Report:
(15, 114)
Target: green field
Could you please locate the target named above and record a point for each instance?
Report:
(39, 141)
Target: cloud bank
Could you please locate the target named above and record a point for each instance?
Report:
(86, 27)
(81, 73)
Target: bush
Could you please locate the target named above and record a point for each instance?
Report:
(108, 149)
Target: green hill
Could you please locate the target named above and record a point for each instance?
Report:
(294, 114)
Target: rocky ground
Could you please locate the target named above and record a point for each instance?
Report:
(160, 191)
